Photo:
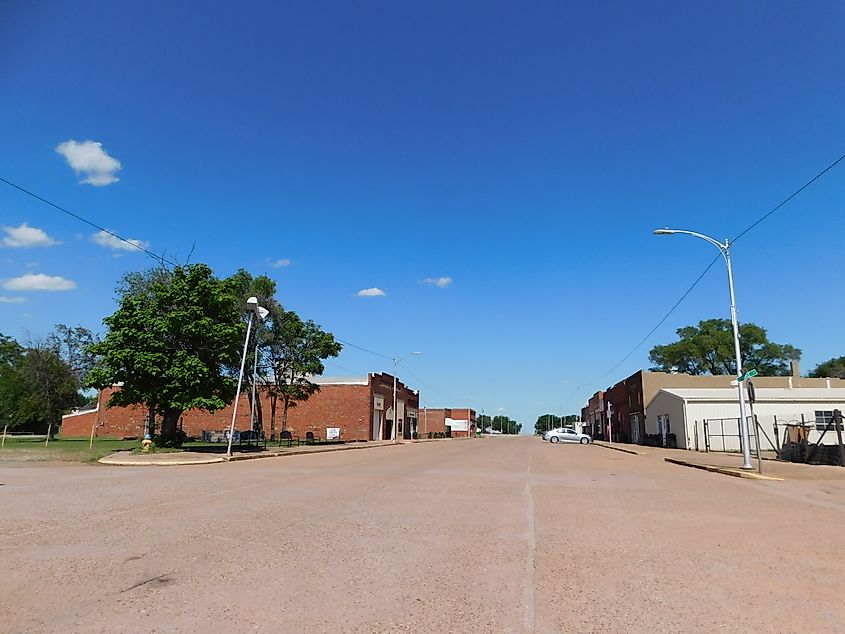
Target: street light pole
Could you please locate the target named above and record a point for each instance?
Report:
(253, 308)
(394, 427)
(725, 249)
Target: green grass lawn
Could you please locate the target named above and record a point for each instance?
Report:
(23, 448)
(28, 448)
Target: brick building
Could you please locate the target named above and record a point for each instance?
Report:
(361, 408)
(454, 421)
(626, 401)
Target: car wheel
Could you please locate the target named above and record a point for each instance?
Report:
(584, 441)
(554, 439)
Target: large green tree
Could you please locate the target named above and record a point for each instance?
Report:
(73, 345)
(170, 344)
(708, 348)
(12, 388)
(295, 351)
(832, 368)
(506, 425)
(36, 386)
(50, 389)
(546, 422)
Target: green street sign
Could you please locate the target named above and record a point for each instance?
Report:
(748, 375)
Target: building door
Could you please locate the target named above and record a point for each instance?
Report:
(376, 425)
(635, 428)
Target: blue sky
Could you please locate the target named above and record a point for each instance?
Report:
(526, 151)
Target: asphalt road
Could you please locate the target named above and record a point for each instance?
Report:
(490, 535)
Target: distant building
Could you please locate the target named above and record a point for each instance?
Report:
(624, 404)
(361, 408)
(453, 421)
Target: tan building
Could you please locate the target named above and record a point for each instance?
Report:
(625, 402)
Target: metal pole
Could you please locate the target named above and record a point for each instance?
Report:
(837, 422)
(240, 382)
(743, 422)
(254, 372)
(395, 417)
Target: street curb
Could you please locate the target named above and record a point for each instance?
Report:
(630, 451)
(117, 462)
(736, 473)
(288, 454)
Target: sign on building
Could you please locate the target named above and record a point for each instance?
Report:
(332, 433)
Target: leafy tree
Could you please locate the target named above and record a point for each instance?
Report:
(506, 425)
(48, 389)
(832, 368)
(546, 422)
(170, 343)
(483, 421)
(295, 350)
(12, 388)
(73, 345)
(709, 349)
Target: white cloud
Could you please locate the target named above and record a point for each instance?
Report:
(439, 282)
(500, 409)
(26, 236)
(38, 282)
(278, 264)
(90, 160)
(371, 292)
(12, 300)
(107, 240)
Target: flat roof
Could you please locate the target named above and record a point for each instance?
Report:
(779, 394)
(339, 380)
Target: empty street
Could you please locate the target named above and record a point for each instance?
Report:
(471, 535)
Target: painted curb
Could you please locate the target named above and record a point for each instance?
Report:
(736, 473)
(630, 451)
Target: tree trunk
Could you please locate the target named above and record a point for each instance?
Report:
(273, 417)
(285, 413)
(169, 425)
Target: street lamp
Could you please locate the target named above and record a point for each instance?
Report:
(253, 308)
(725, 249)
(396, 363)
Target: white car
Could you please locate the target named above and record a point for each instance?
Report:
(566, 434)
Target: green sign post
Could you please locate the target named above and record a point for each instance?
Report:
(748, 375)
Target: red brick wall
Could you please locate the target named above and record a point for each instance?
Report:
(437, 420)
(349, 407)
(346, 406)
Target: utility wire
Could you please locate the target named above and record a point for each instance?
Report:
(134, 245)
(378, 354)
(709, 266)
(790, 197)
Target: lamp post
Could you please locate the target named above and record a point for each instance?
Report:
(394, 427)
(253, 308)
(725, 249)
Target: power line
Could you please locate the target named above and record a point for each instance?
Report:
(378, 354)
(790, 197)
(153, 255)
(709, 266)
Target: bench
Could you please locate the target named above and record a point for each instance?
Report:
(286, 436)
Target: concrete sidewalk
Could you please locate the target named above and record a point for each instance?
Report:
(772, 468)
(183, 458)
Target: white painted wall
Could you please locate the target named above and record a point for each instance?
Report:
(687, 420)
